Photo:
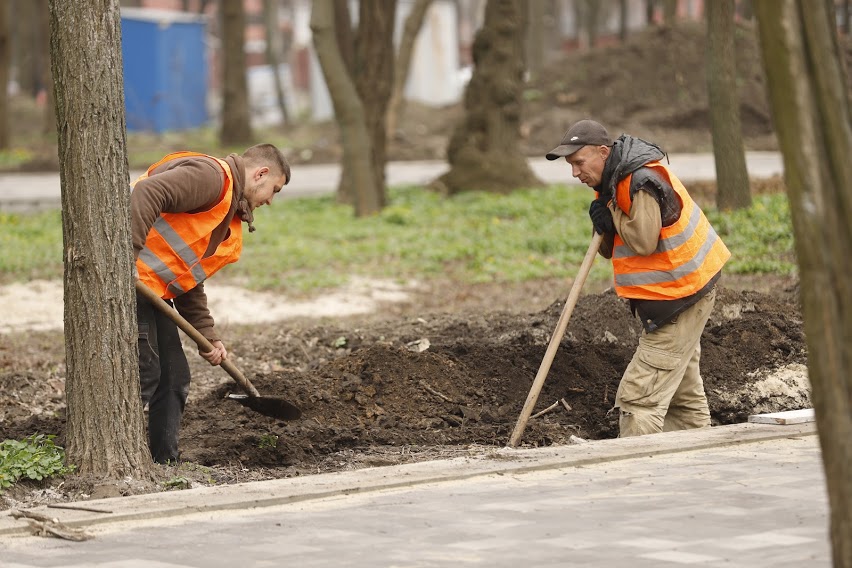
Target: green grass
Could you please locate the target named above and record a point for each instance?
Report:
(304, 244)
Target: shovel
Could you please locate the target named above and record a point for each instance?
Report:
(556, 339)
(268, 406)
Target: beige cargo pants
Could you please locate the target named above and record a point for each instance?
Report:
(662, 390)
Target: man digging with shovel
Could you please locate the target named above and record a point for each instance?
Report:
(187, 213)
(666, 258)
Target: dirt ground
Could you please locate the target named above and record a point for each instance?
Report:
(443, 374)
(446, 371)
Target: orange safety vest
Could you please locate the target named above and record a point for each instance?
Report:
(172, 261)
(689, 252)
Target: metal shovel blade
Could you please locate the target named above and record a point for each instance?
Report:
(269, 406)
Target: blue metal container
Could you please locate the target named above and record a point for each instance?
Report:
(165, 69)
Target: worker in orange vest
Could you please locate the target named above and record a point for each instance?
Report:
(666, 260)
(187, 212)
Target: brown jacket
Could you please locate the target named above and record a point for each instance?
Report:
(187, 185)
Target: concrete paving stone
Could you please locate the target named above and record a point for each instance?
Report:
(665, 510)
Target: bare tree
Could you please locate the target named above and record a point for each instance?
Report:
(483, 150)
(368, 63)
(670, 12)
(535, 37)
(49, 124)
(622, 20)
(588, 16)
(812, 115)
(236, 122)
(413, 25)
(348, 109)
(5, 58)
(728, 149)
(273, 41)
(105, 431)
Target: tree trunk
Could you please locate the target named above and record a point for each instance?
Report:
(349, 112)
(847, 17)
(374, 68)
(650, 8)
(732, 186)
(24, 54)
(670, 12)
(105, 431)
(236, 123)
(811, 111)
(535, 37)
(270, 10)
(413, 24)
(344, 34)
(483, 151)
(622, 20)
(49, 124)
(5, 58)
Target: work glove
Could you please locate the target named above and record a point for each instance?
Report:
(601, 216)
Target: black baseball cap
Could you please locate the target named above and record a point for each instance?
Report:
(583, 133)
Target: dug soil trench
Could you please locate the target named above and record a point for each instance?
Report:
(422, 384)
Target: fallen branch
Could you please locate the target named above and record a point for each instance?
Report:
(546, 410)
(428, 388)
(565, 404)
(42, 525)
(77, 508)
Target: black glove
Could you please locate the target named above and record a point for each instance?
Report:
(601, 216)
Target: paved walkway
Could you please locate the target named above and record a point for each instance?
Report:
(741, 496)
(26, 192)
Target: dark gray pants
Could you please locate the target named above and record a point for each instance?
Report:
(164, 377)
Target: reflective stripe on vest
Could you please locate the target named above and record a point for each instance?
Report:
(172, 261)
(688, 254)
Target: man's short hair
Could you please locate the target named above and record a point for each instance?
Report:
(268, 154)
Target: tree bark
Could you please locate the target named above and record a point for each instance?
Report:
(413, 24)
(348, 109)
(483, 151)
(24, 54)
(810, 104)
(236, 123)
(670, 12)
(49, 124)
(622, 20)
(5, 59)
(374, 72)
(270, 10)
(105, 430)
(732, 185)
(535, 37)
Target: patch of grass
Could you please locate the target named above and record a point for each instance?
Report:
(311, 243)
(267, 441)
(30, 246)
(35, 457)
(760, 238)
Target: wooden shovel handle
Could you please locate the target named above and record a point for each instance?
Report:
(573, 296)
(195, 335)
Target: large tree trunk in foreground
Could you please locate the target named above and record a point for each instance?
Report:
(348, 110)
(483, 151)
(732, 187)
(105, 431)
(812, 116)
(236, 122)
